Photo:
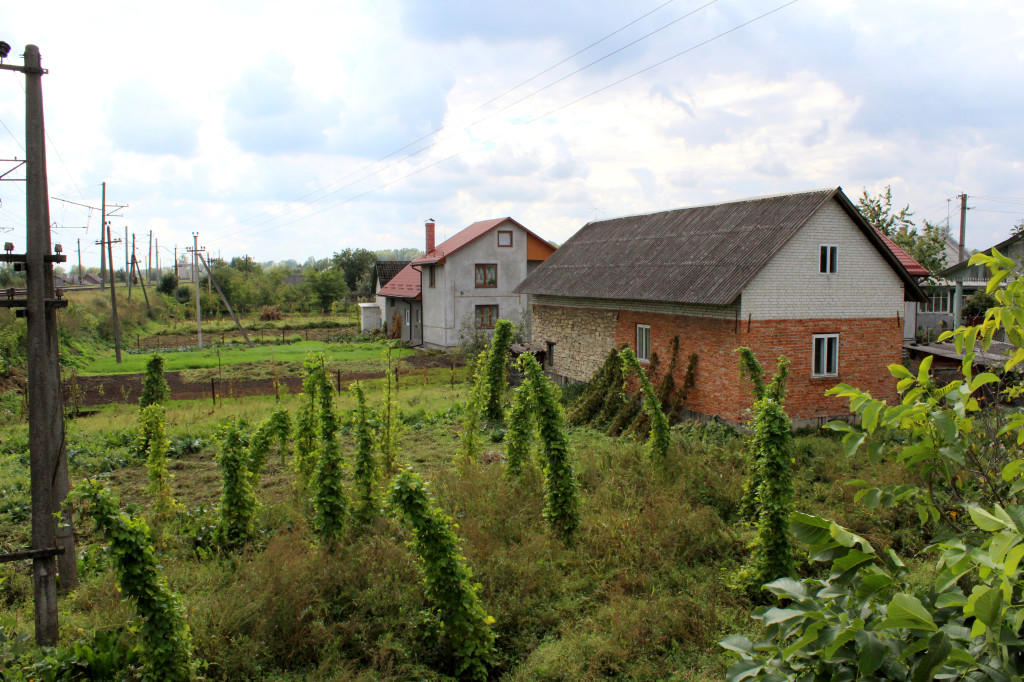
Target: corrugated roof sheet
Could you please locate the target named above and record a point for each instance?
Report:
(698, 255)
(387, 269)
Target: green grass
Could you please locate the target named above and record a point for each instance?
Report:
(135, 363)
(642, 594)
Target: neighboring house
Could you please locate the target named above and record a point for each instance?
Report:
(919, 273)
(802, 275)
(372, 315)
(90, 280)
(468, 279)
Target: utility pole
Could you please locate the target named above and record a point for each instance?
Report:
(127, 264)
(103, 236)
(79, 261)
(156, 257)
(149, 259)
(109, 245)
(48, 456)
(131, 268)
(958, 301)
(195, 276)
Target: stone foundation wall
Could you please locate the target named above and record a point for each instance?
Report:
(582, 338)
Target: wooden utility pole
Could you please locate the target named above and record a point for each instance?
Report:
(958, 300)
(127, 264)
(103, 236)
(195, 276)
(48, 463)
(109, 245)
(79, 261)
(142, 282)
(227, 304)
(149, 259)
(131, 267)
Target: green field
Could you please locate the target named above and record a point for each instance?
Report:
(234, 354)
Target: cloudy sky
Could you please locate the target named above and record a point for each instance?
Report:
(289, 130)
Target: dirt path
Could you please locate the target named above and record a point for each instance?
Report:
(126, 388)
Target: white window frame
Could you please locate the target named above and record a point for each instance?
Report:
(830, 266)
(643, 342)
(825, 342)
(938, 302)
(405, 317)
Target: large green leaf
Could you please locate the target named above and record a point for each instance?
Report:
(939, 648)
(906, 611)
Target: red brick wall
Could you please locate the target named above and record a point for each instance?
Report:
(866, 348)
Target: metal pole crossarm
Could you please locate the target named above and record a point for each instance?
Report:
(33, 70)
(8, 172)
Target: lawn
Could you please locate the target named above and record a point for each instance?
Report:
(233, 354)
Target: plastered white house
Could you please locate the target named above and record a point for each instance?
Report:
(468, 279)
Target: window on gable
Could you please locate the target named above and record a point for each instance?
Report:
(486, 316)
(828, 259)
(486, 275)
(643, 342)
(826, 355)
(431, 276)
(504, 237)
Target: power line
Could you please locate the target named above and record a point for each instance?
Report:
(462, 125)
(16, 141)
(533, 120)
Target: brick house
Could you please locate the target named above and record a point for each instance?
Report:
(801, 275)
(467, 279)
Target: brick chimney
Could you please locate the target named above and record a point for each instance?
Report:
(430, 234)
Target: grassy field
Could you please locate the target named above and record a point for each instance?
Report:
(233, 354)
(644, 592)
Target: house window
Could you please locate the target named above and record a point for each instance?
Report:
(643, 342)
(405, 316)
(418, 316)
(431, 276)
(504, 237)
(826, 355)
(938, 302)
(486, 316)
(828, 260)
(550, 357)
(486, 275)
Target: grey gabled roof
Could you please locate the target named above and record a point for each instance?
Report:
(387, 269)
(699, 255)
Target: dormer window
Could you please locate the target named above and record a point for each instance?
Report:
(828, 259)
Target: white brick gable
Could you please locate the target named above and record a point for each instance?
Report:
(791, 287)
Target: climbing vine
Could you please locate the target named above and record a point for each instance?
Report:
(391, 422)
(306, 431)
(166, 647)
(658, 441)
(446, 578)
(561, 498)
(278, 426)
(520, 430)
(330, 503)
(366, 473)
(497, 370)
(151, 427)
(586, 408)
(751, 369)
(238, 498)
(154, 387)
(469, 442)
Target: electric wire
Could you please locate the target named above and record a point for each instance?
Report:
(462, 125)
(16, 140)
(521, 125)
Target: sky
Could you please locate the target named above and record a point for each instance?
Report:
(288, 130)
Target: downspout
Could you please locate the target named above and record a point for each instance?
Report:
(422, 316)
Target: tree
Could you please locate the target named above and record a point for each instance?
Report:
(168, 283)
(354, 263)
(926, 245)
(327, 287)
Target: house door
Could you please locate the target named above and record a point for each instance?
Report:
(417, 324)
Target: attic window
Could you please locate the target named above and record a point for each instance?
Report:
(828, 259)
(504, 237)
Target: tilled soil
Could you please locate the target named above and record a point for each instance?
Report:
(126, 388)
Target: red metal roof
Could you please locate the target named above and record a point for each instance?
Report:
(471, 233)
(406, 284)
(914, 269)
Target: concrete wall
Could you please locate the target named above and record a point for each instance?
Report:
(790, 286)
(455, 295)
